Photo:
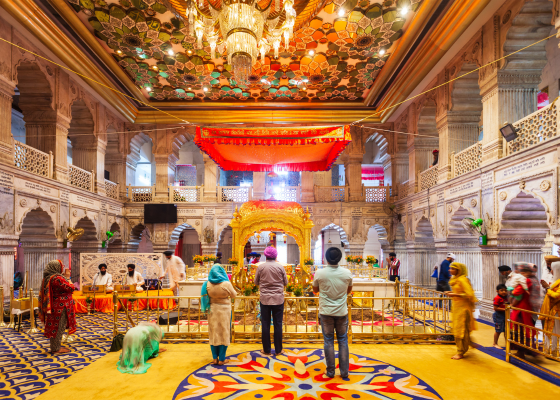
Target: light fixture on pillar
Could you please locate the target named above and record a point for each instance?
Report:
(509, 132)
(285, 238)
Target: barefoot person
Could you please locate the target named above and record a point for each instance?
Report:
(217, 294)
(139, 345)
(463, 298)
(56, 306)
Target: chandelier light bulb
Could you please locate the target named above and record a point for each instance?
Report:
(341, 12)
(205, 89)
(404, 11)
(119, 52)
(305, 80)
(190, 88)
(263, 80)
(382, 52)
(171, 52)
(148, 89)
(311, 52)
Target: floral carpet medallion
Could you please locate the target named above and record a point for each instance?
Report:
(298, 374)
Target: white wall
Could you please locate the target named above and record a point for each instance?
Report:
(189, 154)
(373, 247)
(146, 168)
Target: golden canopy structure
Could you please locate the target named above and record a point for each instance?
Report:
(257, 216)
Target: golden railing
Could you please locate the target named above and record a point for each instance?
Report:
(521, 335)
(201, 271)
(373, 319)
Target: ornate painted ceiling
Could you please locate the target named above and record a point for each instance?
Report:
(351, 41)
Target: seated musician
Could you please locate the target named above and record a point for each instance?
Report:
(104, 278)
(134, 278)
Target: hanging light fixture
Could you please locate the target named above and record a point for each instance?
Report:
(242, 28)
(285, 238)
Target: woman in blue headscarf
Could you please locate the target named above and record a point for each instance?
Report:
(217, 294)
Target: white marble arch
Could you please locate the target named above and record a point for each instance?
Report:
(177, 232)
(137, 233)
(343, 236)
(150, 265)
(423, 252)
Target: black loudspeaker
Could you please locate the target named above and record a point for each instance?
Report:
(173, 318)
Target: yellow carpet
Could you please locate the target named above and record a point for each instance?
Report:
(478, 376)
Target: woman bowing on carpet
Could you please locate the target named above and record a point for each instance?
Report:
(217, 294)
(56, 306)
(463, 307)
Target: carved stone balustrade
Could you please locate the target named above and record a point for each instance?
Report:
(466, 160)
(327, 194)
(377, 194)
(32, 160)
(141, 194)
(428, 178)
(185, 194)
(235, 194)
(112, 189)
(284, 193)
(81, 178)
(535, 128)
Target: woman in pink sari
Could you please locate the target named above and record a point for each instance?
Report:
(521, 298)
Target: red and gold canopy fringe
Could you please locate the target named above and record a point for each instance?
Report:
(268, 149)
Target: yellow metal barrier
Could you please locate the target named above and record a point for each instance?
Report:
(384, 319)
(527, 337)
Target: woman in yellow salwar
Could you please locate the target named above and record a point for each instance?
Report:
(551, 308)
(463, 298)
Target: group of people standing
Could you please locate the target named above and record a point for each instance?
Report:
(332, 283)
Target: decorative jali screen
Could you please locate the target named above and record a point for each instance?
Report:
(150, 265)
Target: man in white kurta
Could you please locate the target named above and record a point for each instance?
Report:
(104, 278)
(174, 269)
(134, 277)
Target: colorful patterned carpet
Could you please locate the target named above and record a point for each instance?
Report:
(26, 367)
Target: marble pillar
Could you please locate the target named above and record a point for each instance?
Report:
(259, 185)
(210, 180)
(8, 246)
(307, 192)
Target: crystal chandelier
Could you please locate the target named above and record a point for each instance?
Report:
(246, 29)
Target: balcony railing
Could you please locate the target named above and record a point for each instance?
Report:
(111, 189)
(32, 160)
(141, 194)
(284, 193)
(466, 160)
(330, 194)
(403, 190)
(428, 178)
(535, 128)
(377, 194)
(185, 194)
(235, 194)
(81, 178)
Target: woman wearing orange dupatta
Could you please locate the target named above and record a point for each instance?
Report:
(551, 308)
(463, 298)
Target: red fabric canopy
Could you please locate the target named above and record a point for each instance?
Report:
(268, 149)
(372, 174)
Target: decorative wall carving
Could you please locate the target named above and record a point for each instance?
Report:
(503, 196)
(545, 185)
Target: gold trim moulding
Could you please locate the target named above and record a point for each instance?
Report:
(204, 117)
(244, 30)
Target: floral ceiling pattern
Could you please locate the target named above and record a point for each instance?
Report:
(350, 41)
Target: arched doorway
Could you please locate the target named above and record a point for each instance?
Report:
(376, 239)
(116, 246)
(423, 251)
(140, 240)
(331, 235)
(401, 251)
(87, 243)
(225, 242)
(39, 244)
(185, 242)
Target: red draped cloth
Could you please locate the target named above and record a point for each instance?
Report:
(61, 298)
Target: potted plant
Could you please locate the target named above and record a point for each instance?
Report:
(233, 261)
(249, 289)
(298, 290)
(358, 260)
(349, 260)
(370, 260)
(308, 261)
(290, 288)
(198, 259)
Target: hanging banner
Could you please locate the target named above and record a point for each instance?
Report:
(269, 149)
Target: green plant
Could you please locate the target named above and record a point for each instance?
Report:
(349, 259)
(290, 288)
(298, 291)
(233, 261)
(308, 261)
(89, 300)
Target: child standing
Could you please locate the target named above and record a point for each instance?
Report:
(499, 315)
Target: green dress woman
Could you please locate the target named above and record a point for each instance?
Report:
(140, 344)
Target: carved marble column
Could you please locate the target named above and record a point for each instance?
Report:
(8, 245)
(259, 182)
(307, 193)
(165, 175)
(355, 248)
(421, 260)
(210, 180)
(90, 155)
(210, 248)
(457, 131)
(6, 144)
(507, 96)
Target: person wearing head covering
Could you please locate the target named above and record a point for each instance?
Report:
(551, 308)
(463, 298)
(218, 259)
(248, 259)
(547, 277)
(174, 269)
(140, 344)
(271, 279)
(56, 306)
(394, 265)
(134, 277)
(435, 153)
(257, 259)
(104, 278)
(444, 276)
(520, 297)
(333, 285)
(217, 294)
